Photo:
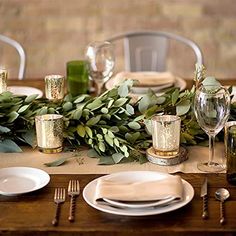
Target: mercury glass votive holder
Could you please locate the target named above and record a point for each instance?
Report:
(3, 80)
(54, 87)
(166, 134)
(49, 132)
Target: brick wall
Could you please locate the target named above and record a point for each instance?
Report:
(56, 31)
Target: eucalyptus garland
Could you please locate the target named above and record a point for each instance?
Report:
(116, 128)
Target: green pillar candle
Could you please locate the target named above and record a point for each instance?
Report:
(77, 77)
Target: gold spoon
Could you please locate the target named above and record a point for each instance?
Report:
(222, 195)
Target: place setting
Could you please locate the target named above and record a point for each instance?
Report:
(138, 193)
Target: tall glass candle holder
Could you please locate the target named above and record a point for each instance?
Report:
(230, 151)
(3, 80)
(54, 87)
(49, 132)
(166, 135)
(77, 77)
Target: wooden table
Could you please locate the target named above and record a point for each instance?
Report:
(31, 214)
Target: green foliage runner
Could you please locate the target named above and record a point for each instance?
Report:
(116, 128)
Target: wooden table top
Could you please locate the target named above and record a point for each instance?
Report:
(31, 214)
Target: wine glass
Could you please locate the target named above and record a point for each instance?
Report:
(211, 108)
(101, 58)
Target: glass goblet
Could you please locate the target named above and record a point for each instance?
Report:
(211, 108)
(101, 58)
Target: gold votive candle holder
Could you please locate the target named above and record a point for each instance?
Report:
(54, 87)
(166, 134)
(3, 80)
(49, 132)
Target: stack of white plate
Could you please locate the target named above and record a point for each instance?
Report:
(136, 208)
(157, 81)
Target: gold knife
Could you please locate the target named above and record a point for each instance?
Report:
(204, 199)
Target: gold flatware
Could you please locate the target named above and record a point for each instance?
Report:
(222, 195)
(73, 192)
(204, 199)
(59, 198)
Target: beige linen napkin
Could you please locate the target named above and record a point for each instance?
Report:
(146, 79)
(171, 186)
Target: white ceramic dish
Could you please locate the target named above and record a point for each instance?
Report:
(25, 90)
(135, 205)
(179, 83)
(89, 194)
(20, 180)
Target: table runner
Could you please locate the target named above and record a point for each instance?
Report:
(34, 158)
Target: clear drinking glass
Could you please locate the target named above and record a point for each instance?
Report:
(101, 58)
(211, 107)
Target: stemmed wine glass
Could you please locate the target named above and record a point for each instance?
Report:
(101, 58)
(211, 108)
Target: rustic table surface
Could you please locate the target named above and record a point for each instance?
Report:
(31, 214)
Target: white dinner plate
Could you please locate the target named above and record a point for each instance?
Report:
(134, 205)
(20, 180)
(179, 83)
(25, 90)
(89, 194)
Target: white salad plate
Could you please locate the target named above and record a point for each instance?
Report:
(19, 180)
(90, 189)
(25, 90)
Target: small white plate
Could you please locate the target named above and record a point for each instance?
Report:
(89, 194)
(135, 205)
(25, 90)
(20, 180)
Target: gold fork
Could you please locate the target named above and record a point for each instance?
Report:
(59, 198)
(73, 192)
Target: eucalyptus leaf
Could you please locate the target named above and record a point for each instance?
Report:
(77, 114)
(134, 125)
(93, 120)
(123, 90)
(101, 146)
(104, 160)
(129, 109)
(117, 157)
(4, 129)
(108, 139)
(97, 103)
(9, 146)
(92, 153)
(120, 102)
(23, 108)
(67, 106)
(81, 98)
(81, 130)
(175, 96)
(58, 162)
(31, 98)
(12, 116)
(89, 131)
(30, 137)
(183, 107)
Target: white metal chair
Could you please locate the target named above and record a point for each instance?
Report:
(20, 51)
(147, 50)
